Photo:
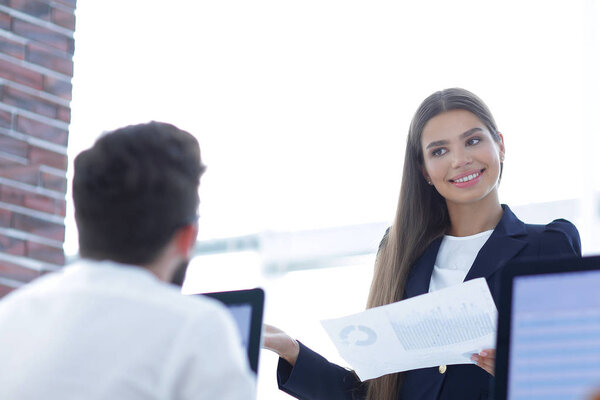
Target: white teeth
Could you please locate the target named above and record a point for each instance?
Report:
(467, 178)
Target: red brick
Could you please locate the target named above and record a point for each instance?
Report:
(20, 74)
(43, 35)
(41, 130)
(29, 174)
(35, 201)
(52, 59)
(13, 246)
(60, 207)
(5, 119)
(40, 203)
(63, 114)
(5, 217)
(54, 182)
(11, 195)
(38, 9)
(64, 18)
(16, 272)
(13, 146)
(38, 156)
(46, 45)
(12, 48)
(28, 102)
(70, 3)
(58, 87)
(4, 290)
(4, 21)
(45, 253)
(39, 227)
(6, 162)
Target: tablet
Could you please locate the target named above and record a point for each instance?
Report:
(548, 343)
(247, 307)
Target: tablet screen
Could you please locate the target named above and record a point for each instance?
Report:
(246, 307)
(242, 314)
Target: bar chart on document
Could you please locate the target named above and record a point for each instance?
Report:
(444, 327)
(450, 320)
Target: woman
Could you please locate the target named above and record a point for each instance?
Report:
(449, 227)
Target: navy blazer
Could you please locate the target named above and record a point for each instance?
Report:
(314, 378)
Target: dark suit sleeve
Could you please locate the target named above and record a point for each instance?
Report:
(315, 378)
(560, 238)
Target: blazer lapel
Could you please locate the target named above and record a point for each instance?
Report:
(420, 274)
(503, 245)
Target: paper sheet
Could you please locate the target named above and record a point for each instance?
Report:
(440, 328)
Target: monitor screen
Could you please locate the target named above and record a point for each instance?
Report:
(555, 336)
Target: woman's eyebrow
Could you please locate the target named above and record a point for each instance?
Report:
(436, 143)
(462, 136)
(470, 132)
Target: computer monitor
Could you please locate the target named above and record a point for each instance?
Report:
(548, 343)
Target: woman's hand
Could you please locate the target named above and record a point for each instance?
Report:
(486, 360)
(276, 340)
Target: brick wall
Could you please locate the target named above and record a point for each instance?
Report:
(36, 66)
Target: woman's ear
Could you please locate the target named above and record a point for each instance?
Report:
(501, 147)
(426, 176)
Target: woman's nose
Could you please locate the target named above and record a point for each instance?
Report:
(460, 158)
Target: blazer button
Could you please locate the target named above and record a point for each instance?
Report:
(442, 369)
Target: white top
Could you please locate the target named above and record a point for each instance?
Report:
(100, 330)
(455, 258)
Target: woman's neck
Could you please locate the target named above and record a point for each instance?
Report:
(470, 219)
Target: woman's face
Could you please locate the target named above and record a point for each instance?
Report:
(460, 157)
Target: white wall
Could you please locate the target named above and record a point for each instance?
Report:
(302, 108)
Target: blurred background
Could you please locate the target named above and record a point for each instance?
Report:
(302, 110)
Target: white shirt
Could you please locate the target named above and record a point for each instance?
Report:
(100, 330)
(455, 258)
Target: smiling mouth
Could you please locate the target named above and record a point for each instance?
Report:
(467, 178)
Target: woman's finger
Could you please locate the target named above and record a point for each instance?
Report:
(486, 359)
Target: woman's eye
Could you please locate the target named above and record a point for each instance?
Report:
(439, 152)
(473, 141)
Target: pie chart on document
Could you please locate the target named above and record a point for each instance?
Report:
(358, 335)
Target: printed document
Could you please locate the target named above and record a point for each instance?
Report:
(439, 328)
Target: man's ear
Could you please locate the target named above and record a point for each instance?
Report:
(185, 238)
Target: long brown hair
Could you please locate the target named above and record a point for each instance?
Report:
(421, 216)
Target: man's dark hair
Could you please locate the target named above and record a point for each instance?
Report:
(133, 189)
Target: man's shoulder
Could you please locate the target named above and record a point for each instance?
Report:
(138, 285)
(88, 283)
(188, 304)
(44, 283)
